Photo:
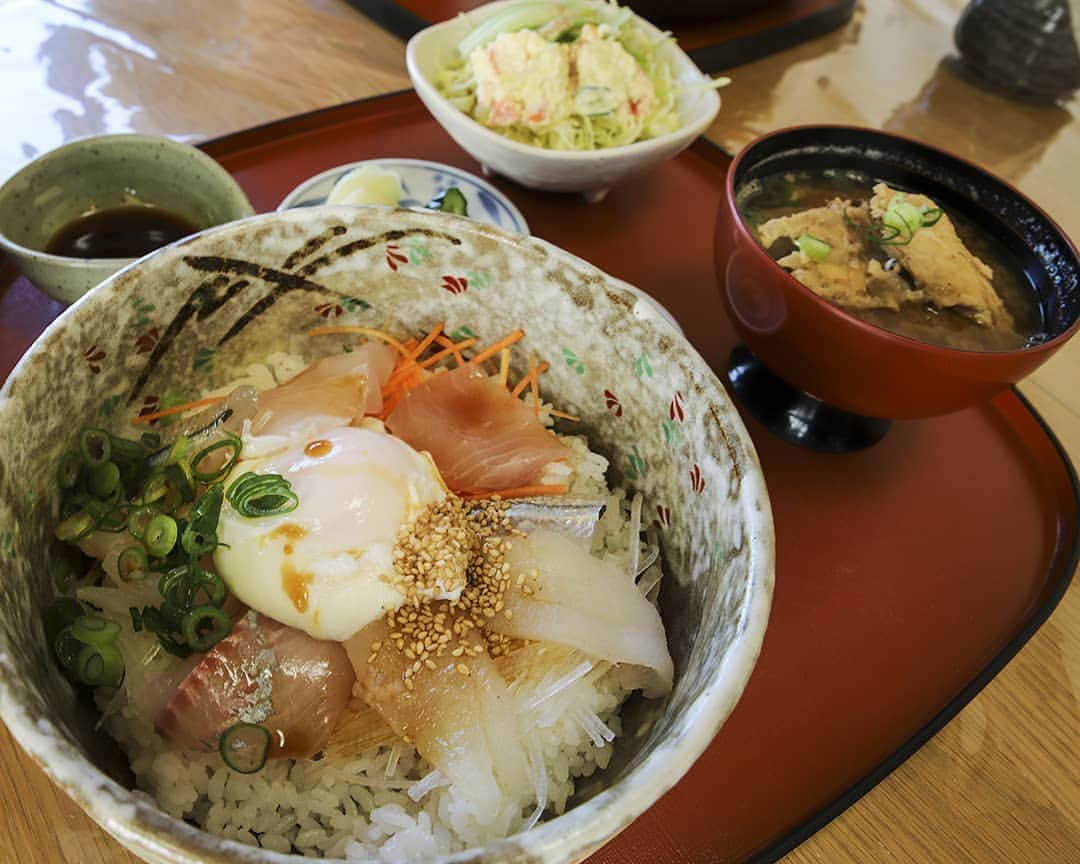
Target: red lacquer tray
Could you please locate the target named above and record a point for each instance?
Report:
(907, 574)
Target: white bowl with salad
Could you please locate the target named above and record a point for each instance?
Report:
(571, 96)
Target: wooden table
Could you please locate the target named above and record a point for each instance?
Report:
(1000, 782)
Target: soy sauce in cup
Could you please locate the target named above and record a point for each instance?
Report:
(129, 231)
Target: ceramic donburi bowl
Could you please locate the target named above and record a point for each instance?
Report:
(194, 315)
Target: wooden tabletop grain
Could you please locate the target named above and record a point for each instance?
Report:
(1001, 782)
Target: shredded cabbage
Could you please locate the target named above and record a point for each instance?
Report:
(578, 128)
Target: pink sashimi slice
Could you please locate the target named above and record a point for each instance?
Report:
(460, 716)
(329, 393)
(481, 438)
(584, 602)
(263, 672)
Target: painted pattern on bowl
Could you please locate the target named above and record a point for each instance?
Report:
(195, 315)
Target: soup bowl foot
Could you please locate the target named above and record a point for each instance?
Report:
(795, 415)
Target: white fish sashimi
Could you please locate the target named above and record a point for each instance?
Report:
(586, 603)
(462, 722)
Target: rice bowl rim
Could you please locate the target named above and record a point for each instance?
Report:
(138, 823)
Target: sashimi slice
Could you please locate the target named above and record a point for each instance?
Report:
(329, 393)
(481, 438)
(573, 598)
(263, 672)
(459, 715)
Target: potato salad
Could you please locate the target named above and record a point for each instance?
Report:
(566, 76)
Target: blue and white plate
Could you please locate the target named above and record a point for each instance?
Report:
(422, 181)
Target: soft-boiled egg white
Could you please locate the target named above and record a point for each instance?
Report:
(327, 567)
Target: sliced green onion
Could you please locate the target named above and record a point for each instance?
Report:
(95, 446)
(904, 216)
(208, 587)
(94, 630)
(230, 441)
(255, 495)
(931, 216)
(244, 747)
(150, 440)
(124, 450)
(178, 476)
(103, 478)
(177, 588)
(133, 563)
(138, 519)
(154, 489)
(196, 543)
(114, 521)
(67, 648)
(814, 248)
(178, 450)
(100, 666)
(75, 527)
(68, 473)
(160, 536)
(204, 626)
(61, 613)
(207, 510)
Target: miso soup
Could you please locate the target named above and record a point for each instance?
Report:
(895, 259)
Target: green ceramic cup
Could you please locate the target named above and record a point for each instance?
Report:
(99, 173)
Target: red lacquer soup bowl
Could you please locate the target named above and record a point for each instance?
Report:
(823, 350)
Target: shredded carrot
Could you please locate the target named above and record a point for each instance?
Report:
(527, 378)
(446, 352)
(507, 340)
(504, 366)
(370, 332)
(402, 371)
(562, 414)
(449, 343)
(427, 340)
(515, 492)
(534, 384)
(176, 409)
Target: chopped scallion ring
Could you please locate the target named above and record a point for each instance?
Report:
(244, 747)
(204, 626)
(178, 449)
(178, 476)
(231, 442)
(138, 519)
(95, 446)
(124, 450)
(103, 479)
(133, 563)
(931, 216)
(94, 630)
(61, 613)
(75, 527)
(160, 537)
(814, 248)
(255, 495)
(67, 648)
(100, 666)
